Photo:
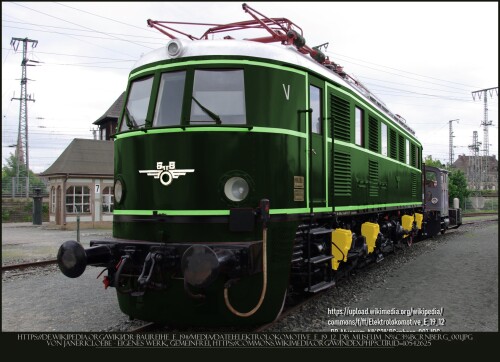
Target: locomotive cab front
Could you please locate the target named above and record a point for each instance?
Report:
(200, 142)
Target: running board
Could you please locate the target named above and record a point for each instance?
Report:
(319, 259)
(320, 286)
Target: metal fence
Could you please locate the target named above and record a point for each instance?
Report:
(480, 203)
(21, 187)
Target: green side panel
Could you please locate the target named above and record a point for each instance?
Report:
(275, 97)
(364, 178)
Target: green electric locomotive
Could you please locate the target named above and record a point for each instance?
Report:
(246, 170)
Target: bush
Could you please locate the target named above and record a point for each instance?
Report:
(5, 215)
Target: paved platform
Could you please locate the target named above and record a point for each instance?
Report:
(25, 242)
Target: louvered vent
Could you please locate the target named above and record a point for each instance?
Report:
(341, 120)
(413, 184)
(342, 174)
(413, 155)
(401, 153)
(373, 177)
(393, 145)
(373, 134)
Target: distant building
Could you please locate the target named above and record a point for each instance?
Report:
(109, 120)
(81, 184)
(81, 180)
(471, 167)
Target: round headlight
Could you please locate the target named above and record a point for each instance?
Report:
(174, 48)
(236, 189)
(118, 190)
(434, 200)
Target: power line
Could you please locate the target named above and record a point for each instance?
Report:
(22, 149)
(485, 123)
(103, 17)
(400, 70)
(74, 29)
(83, 26)
(82, 35)
(451, 139)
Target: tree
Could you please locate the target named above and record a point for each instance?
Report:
(430, 162)
(10, 170)
(457, 186)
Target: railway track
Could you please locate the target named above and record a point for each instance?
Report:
(42, 263)
(22, 266)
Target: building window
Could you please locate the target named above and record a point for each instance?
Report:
(358, 126)
(53, 200)
(108, 199)
(78, 200)
(315, 105)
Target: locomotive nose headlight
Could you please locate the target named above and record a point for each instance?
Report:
(174, 48)
(236, 189)
(118, 190)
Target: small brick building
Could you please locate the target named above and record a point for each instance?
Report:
(81, 185)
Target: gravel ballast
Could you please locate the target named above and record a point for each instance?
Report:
(455, 273)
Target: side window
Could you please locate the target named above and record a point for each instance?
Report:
(169, 102)
(136, 109)
(358, 126)
(407, 147)
(383, 136)
(315, 105)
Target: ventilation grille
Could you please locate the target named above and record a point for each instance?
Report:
(413, 184)
(393, 145)
(341, 174)
(341, 120)
(413, 155)
(373, 134)
(373, 177)
(401, 153)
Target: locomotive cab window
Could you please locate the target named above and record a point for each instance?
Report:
(430, 179)
(137, 104)
(218, 97)
(169, 103)
(315, 105)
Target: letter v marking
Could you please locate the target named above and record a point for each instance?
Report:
(287, 91)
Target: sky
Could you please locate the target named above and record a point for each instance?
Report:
(424, 60)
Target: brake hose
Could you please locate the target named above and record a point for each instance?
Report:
(121, 265)
(264, 282)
